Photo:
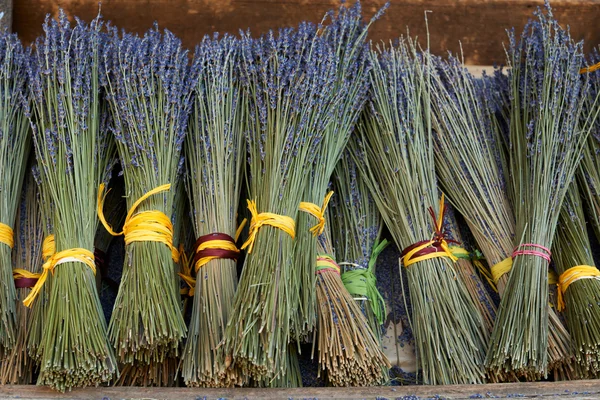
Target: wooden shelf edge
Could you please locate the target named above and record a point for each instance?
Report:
(584, 389)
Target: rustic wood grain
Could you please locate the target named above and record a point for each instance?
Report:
(478, 24)
(571, 389)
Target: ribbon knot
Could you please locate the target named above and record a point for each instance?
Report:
(436, 247)
(317, 212)
(362, 282)
(282, 222)
(78, 254)
(24, 278)
(144, 226)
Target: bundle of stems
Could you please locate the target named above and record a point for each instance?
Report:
(288, 79)
(472, 167)
(579, 287)
(346, 35)
(14, 150)
(39, 306)
(215, 158)
(356, 226)
(73, 154)
(395, 154)
(292, 377)
(468, 272)
(150, 99)
(547, 135)
(17, 367)
(589, 172)
(348, 350)
(163, 373)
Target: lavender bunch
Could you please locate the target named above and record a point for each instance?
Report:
(215, 158)
(547, 135)
(149, 93)
(14, 150)
(289, 79)
(73, 154)
(346, 34)
(17, 368)
(356, 226)
(472, 166)
(394, 151)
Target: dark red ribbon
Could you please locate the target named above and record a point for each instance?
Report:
(220, 253)
(21, 283)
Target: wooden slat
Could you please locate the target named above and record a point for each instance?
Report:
(479, 24)
(572, 389)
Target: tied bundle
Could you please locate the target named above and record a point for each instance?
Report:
(149, 92)
(14, 150)
(347, 348)
(346, 35)
(73, 154)
(288, 80)
(472, 167)
(394, 152)
(215, 149)
(547, 135)
(356, 226)
(18, 367)
(578, 284)
(47, 248)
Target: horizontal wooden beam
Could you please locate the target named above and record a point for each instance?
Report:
(570, 389)
(480, 25)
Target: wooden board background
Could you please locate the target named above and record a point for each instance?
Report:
(480, 25)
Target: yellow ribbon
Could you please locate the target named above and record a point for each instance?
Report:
(572, 275)
(7, 235)
(500, 269)
(325, 262)
(408, 257)
(71, 255)
(591, 68)
(186, 274)
(144, 226)
(48, 247)
(317, 212)
(282, 222)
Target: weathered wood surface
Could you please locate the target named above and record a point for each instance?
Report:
(479, 24)
(566, 390)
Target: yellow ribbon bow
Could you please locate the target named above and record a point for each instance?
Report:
(572, 275)
(144, 226)
(317, 212)
(7, 235)
(71, 255)
(282, 222)
(48, 247)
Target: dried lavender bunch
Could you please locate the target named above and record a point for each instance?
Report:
(18, 367)
(348, 351)
(289, 79)
(215, 158)
(546, 142)
(582, 297)
(73, 154)
(472, 166)
(150, 98)
(346, 34)
(589, 172)
(40, 305)
(395, 154)
(356, 226)
(14, 150)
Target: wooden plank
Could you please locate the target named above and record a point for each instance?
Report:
(478, 24)
(572, 389)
